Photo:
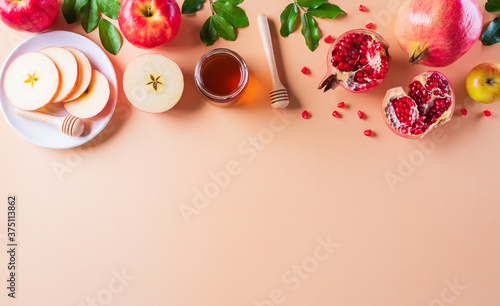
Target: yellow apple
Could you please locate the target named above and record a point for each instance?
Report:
(483, 83)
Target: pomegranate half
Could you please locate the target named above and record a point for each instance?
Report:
(436, 33)
(429, 103)
(358, 61)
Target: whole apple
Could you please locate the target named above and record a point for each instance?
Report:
(29, 15)
(149, 23)
(483, 83)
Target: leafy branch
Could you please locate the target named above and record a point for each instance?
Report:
(310, 9)
(90, 18)
(226, 16)
(492, 33)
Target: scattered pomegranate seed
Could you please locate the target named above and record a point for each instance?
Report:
(304, 70)
(487, 113)
(361, 115)
(463, 111)
(335, 114)
(369, 26)
(368, 133)
(305, 114)
(341, 105)
(362, 8)
(328, 39)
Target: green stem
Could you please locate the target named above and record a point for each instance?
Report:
(211, 7)
(295, 1)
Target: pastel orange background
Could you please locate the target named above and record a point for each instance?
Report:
(282, 210)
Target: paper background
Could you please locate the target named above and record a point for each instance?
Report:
(90, 215)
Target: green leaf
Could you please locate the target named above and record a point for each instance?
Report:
(71, 9)
(89, 16)
(191, 6)
(110, 37)
(235, 2)
(208, 33)
(78, 6)
(327, 10)
(492, 33)
(109, 8)
(233, 14)
(67, 10)
(310, 31)
(493, 6)
(223, 28)
(288, 18)
(310, 4)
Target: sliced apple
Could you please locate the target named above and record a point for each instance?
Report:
(93, 100)
(153, 83)
(84, 73)
(68, 68)
(31, 81)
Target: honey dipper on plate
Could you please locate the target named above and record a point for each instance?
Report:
(69, 125)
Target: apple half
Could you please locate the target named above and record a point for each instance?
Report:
(153, 83)
(68, 68)
(93, 100)
(31, 81)
(84, 73)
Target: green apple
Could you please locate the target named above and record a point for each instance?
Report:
(483, 83)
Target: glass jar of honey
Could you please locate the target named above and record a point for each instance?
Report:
(221, 75)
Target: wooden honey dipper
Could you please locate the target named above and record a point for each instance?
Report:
(278, 94)
(69, 125)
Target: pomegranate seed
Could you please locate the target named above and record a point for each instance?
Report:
(487, 113)
(463, 111)
(341, 105)
(369, 26)
(304, 70)
(362, 8)
(305, 114)
(361, 115)
(335, 114)
(368, 133)
(328, 39)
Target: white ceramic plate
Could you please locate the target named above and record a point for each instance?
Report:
(45, 135)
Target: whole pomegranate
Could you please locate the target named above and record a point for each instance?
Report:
(429, 103)
(438, 32)
(358, 61)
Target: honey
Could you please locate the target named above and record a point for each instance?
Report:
(221, 76)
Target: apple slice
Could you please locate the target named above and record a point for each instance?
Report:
(31, 81)
(84, 73)
(153, 83)
(93, 100)
(68, 68)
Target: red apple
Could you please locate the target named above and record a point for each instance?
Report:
(29, 15)
(149, 23)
